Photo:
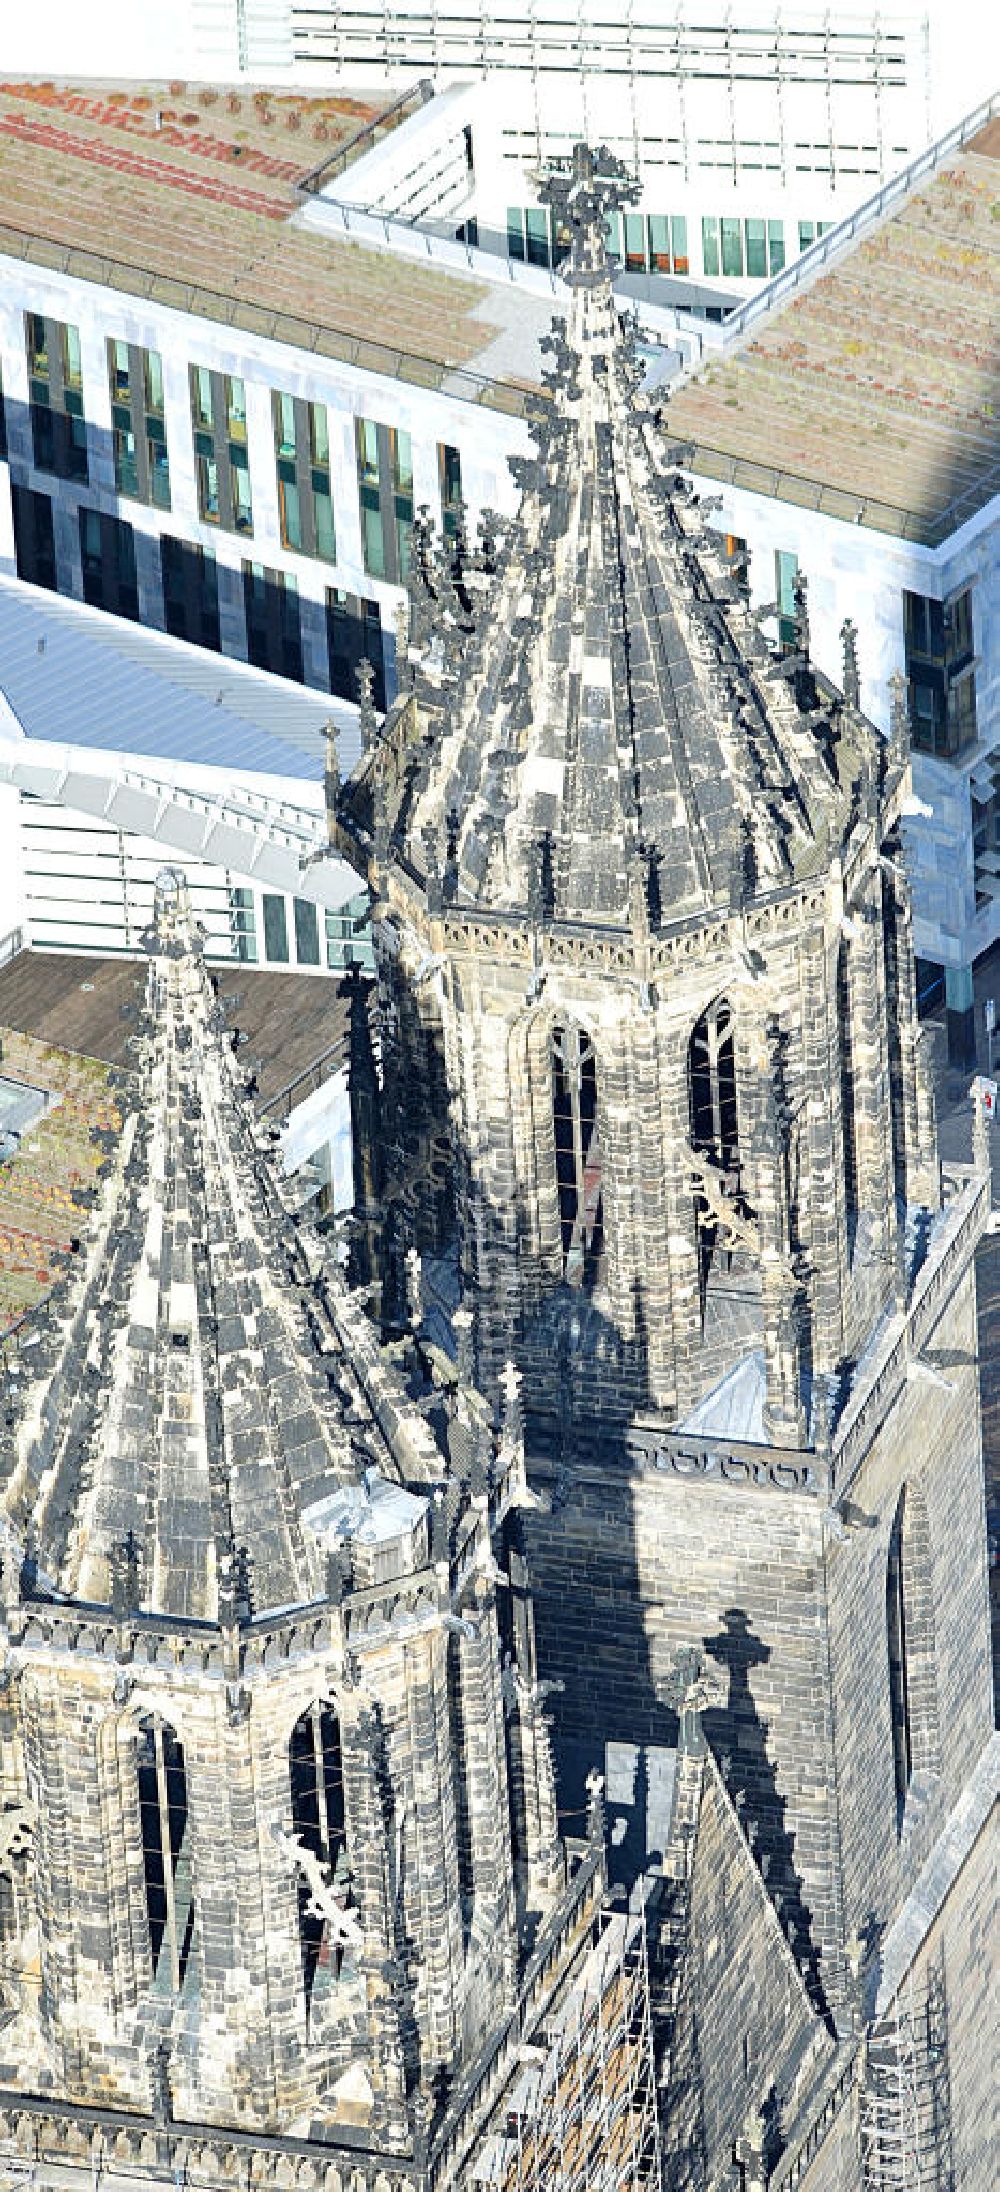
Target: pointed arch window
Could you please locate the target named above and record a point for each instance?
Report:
(899, 1688)
(579, 1161)
(166, 1850)
(713, 1110)
(316, 1776)
(712, 1086)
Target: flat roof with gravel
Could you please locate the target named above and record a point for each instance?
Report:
(874, 395)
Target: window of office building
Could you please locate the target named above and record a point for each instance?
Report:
(190, 592)
(941, 682)
(354, 635)
(535, 234)
(107, 549)
(734, 248)
(242, 923)
(274, 632)
(635, 242)
(385, 488)
(55, 391)
(34, 537)
(275, 929)
(138, 424)
(538, 245)
(756, 249)
(349, 936)
(306, 924)
(986, 845)
(302, 459)
(786, 571)
(667, 243)
(222, 464)
(810, 231)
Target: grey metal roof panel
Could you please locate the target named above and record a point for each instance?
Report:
(74, 674)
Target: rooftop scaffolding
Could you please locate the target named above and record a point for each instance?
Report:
(582, 2115)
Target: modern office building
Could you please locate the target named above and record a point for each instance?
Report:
(241, 347)
(749, 125)
(849, 424)
(750, 128)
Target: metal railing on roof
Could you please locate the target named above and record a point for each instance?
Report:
(852, 507)
(273, 325)
(311, 1077)
(370, 132)
(874, 209)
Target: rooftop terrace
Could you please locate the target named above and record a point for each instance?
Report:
(875, 394)
(77, 1003)
(190, 198)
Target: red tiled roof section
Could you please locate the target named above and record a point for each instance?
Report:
(273, 136)
(38, 1217)
(199, 188)
(875, 393)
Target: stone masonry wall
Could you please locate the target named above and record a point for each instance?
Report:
(959, 1948)
(930, 1444)
(743, 2007)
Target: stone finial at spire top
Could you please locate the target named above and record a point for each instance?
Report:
(581, 197)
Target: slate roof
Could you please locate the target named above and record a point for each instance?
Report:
(72, 674)
(201, 1376)
(606, 722)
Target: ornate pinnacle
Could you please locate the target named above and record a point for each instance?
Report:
(433, 881)
(638, 896)
(511, 1404)
(900, 720)
(800, 598)
(404, 669)
(463, 1325)
(123, 1560)
(414, 1295)
(331, 778)
(366, 707)
(596, 1815)
(980, 1130)
(851, 679)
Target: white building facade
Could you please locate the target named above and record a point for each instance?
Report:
(244, 589)
(954, 838)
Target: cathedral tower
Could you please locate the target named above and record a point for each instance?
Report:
(259, 1770)
(657, 1112)
(649, 925)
